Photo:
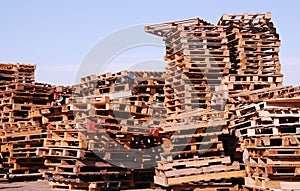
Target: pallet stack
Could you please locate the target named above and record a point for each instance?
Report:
(242, 53)
(194, 159)
(217, 118)
(198, 57)
(198, 60)
(270, 136)
(16, 73)
(121, 111)
(106, 132)
(20, 135)
(254, 48)
(127, 105)
(256, 77)
(66, 158)
(120, 117)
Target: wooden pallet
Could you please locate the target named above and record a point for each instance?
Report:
(265, 184)
(163, 181)
(207, 187)
(192, 162)
(273, 140)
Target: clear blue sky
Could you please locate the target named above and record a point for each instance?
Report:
(57, 35)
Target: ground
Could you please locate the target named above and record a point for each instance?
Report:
(25, 186)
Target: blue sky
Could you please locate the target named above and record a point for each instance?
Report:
(57, 35)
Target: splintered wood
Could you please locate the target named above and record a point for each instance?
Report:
(217, 118)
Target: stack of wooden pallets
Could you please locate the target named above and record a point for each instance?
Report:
(217, 118)
(20, 135)
(128, 114)
(270, 135)
(238, 56)
(254, 48)
(120, 116)
(97, 137)
(12, 73)
(66, 158)
(197, 57)
(198, 60)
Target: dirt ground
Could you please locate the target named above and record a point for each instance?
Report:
(25, 186)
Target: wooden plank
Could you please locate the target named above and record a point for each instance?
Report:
(206, 177)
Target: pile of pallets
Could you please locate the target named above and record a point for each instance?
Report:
(12, 73)
(237, 58)
(270, 136)
(198, 60)
(20, 135)
(198, 57)
(126, 106)
(97, 137)
(217, 118)
(254, 48)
